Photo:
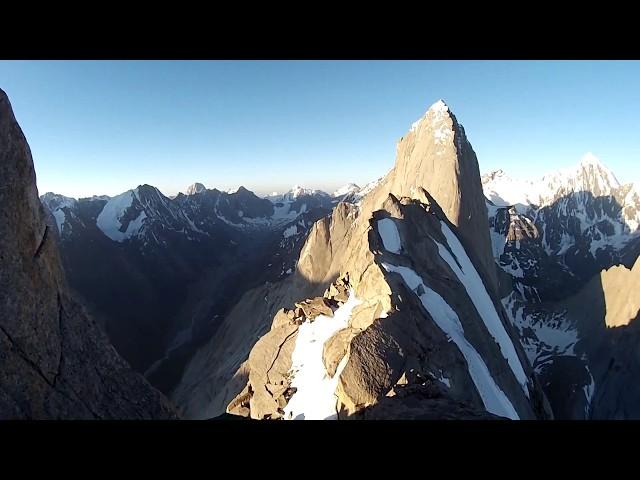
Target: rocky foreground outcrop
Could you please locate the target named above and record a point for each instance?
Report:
(55, 363)
(397, 294)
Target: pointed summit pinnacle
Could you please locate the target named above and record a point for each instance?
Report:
(590, 159)
(439, 106)
(436, 111)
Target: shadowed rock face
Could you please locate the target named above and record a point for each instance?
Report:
(585, 347)
(606, 313)
(54, 361)
(424, 401)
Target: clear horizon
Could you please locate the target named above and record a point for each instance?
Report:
(104, 127)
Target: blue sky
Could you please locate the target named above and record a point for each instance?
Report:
(104, 127)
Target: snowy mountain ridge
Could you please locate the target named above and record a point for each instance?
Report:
(294, 193)
(346, 190)
(589, 175)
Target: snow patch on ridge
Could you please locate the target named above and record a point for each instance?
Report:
(389, 233)
(109, 218)
(60, 218)
(315, 397)
(290, 232)
(477, 292)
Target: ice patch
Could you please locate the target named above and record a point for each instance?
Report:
(442, 379)
(389, 233)
(493, 398)
(290, 232)
(315, 397)
(60, 217)
(498, 241)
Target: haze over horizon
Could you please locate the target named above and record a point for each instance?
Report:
(104, 127)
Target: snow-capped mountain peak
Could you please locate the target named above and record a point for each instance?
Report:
(195, 188)
(59, 206)
(590, 159)
(435, 113)
(296, 192)
(492, 175)
(55, 201)
(589, 175)
(439, 107)
(346, 189)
